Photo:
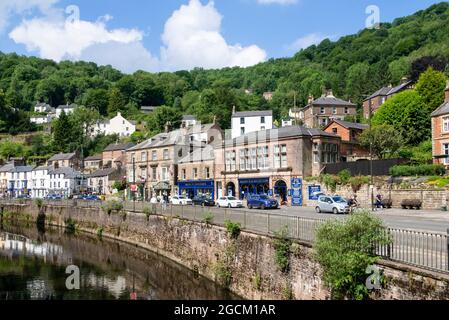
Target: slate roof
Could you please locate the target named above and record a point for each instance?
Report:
(444, 108)
(7, 167)
(96, 157)
(42, 168)
(119, 146)
(349, 125)
(22, 169)
(67, 172)
(263, 113)
(387, 91)
(102, 173)
(161, 140)
(331, 101)
(65, 106)
(198, 155)
(62, 156)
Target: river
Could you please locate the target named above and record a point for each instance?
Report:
(45, 264)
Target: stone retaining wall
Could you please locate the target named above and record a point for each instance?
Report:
(249, 259)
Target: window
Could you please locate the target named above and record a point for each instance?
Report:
(154, 173)
(253, 159)
(334, 130)
(446, 124)
(183, 174)
(446, 152)
(322, 111)
(346, 110)
(42, 182)
(166, 156)
(242, 159)
(329, 153)
(154, 155)
(143, 156)
(242, 120)
(242, 130)
(230, 161)
(334, 110)
(164, 174)
(323, 121)
(262, 158)
(195, 173)
(207, 173)
(280, 156)
(66, 185)
(262, 119)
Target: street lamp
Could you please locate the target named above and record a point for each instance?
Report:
(370, 114)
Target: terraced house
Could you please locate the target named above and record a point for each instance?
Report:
(440, 131)
(152, 166)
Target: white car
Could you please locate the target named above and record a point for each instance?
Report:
(229, 202)
(181, 200)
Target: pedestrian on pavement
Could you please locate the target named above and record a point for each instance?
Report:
(379, 203)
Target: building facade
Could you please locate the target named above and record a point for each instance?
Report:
(101, 181)
(40, 181)
(320, 112)
(93, 163)
(378, 98)
(19, 183)
(67, 109)
(349, 132)
(250, 121)
(69, 160)
(117, 125)
(271, 162)
(440, 131)
(114, 155)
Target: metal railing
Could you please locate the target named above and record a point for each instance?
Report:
(422, 249)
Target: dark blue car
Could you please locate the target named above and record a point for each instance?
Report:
(262, 202)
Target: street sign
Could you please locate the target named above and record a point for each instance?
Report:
(296, 192)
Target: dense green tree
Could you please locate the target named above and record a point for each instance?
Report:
(97, 99)
(161, 116)
(63, 133)
(430, 87)
(117, 101)
(10, 149)
(384, 140)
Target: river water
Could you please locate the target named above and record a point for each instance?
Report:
(45, 264)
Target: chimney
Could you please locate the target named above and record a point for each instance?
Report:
(404, 80)
(310, 99)
(233, 109)
(167, 127)
(446, 92)
(330, 93)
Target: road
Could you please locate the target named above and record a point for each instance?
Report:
(424, 220)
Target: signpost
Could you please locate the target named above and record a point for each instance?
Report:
(314, 191)
(296, 192)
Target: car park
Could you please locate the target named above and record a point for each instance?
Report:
(204, 201)
(332, 204)
(180, 200)
(262, 202)
(229, 202)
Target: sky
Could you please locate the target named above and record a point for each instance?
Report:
(170, 35)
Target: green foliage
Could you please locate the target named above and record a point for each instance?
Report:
(100, 232)
(344, 249)
(148, 211)
(418, 170)
(357, 182)
(330, 181)
(431, 87)
(112, 206)
(119, 185)
(282, 247)
(70, 226)
(344, 176)
(438, 181)
(384, 139)
(233, 229)
(420, 154)
(39, 203)
(223, 267)
(208, 218)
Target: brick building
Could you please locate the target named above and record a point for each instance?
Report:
(68, 160)
(114, 155)
(349, 133)
(320, 112)
(440, 131)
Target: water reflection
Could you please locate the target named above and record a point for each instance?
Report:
(33, 266)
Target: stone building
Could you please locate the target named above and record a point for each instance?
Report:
(101, 181)
(93, 163)
(349, 132)
(320, 112)
(69, 160)
(114, 155)
(379, 97)
(270, 161)
(440, 131)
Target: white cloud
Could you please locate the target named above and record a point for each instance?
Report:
(11, 7)
(192, 38)
(306, 41)
(281, 2)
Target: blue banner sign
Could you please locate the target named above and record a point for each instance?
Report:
(296, 192)
(314, 191)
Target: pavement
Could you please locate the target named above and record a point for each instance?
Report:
(423, 220)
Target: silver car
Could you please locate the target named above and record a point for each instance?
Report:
(333, 204)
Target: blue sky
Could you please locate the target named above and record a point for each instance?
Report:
(182, 34)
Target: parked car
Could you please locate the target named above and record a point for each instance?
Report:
(229, 202)
(24, 196)
(262, 202)
(89, 197)
(54, 197)
(203, 201)
(180, 200)
(334, 204)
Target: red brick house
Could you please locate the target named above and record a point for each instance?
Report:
(440, 131)
(349, 133)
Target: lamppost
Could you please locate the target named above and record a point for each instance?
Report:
(370, 113)
(134, 184)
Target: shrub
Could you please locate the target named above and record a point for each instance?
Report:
(344, 176)
(357, 182)
(439, 182)
(148, 211)
(282, 245)
(39, 203)
(419, 170)
(70, 226)
(344, 249)
(100, 232)
(330, 181)
(233, 228)
(208, 218)
(112, 206)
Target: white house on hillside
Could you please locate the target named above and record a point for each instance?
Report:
(41, 119)
(43, 108)
(66, 108)
(40, 181)
(117, 125)
(251, 121)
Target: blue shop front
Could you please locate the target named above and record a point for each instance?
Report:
(195, 188)
(253, 186)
